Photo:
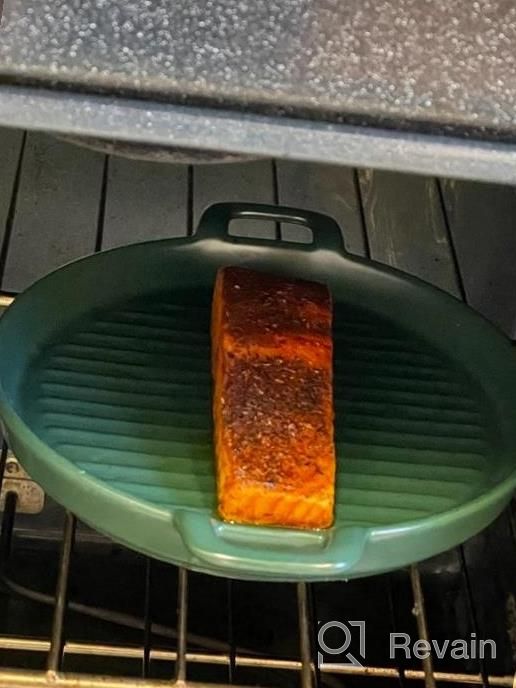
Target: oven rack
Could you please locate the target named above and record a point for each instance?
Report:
(57, 646)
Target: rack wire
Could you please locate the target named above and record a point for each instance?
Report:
(57, 646)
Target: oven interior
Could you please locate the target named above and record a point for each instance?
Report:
(77, 609)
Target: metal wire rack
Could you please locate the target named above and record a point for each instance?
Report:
(311, 672)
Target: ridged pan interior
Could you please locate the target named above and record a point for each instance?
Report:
(125, 394)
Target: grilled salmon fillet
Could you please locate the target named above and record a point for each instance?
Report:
(273, 400)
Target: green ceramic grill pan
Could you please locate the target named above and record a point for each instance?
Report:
(106, 394)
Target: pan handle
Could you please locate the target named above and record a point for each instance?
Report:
(325, 231)
(253, 550)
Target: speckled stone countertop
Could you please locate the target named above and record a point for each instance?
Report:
(426, 65)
